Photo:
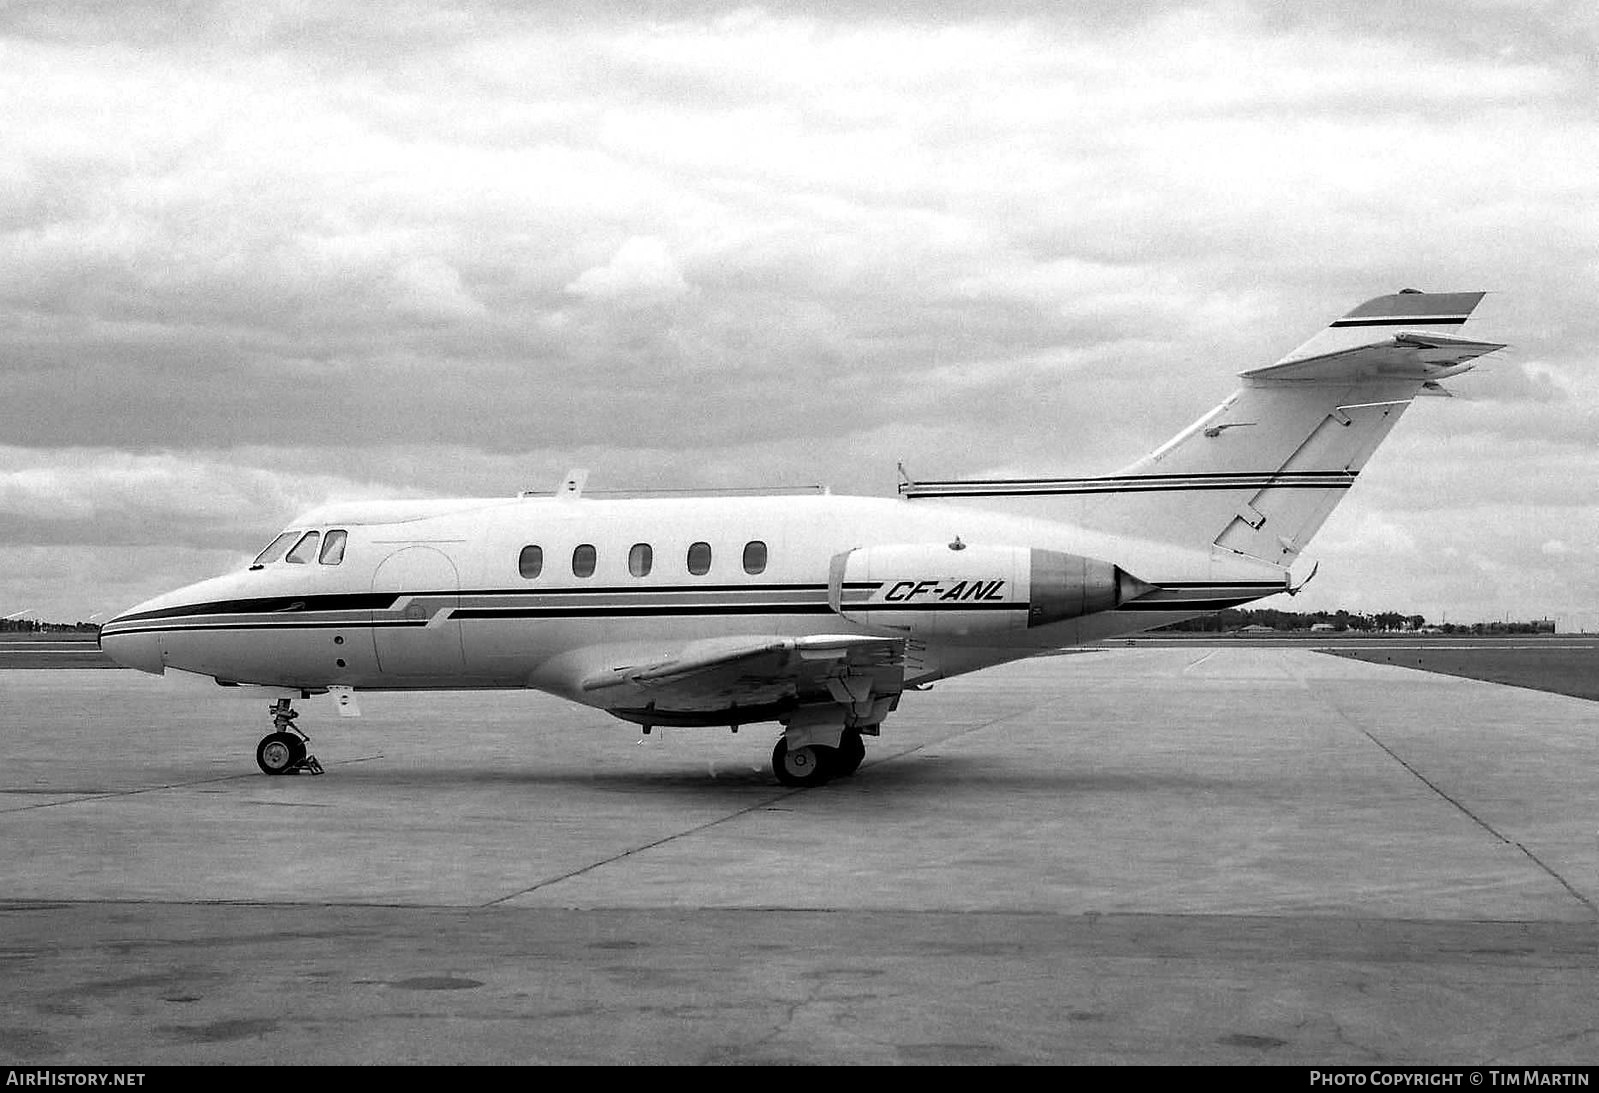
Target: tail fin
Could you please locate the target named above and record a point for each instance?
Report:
(1258, 475)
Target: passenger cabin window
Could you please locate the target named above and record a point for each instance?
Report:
(305, 549)
(275, 548)
(639, 560)
(754, 557)
(583, 561)
(699, 559)
(333, 547)
(530, 563)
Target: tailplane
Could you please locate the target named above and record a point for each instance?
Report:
(1259, 474)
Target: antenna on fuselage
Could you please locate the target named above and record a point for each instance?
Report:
(571, 486)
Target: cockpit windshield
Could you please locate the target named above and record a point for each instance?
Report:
(275, 549)
(333, 547)
(305, 549)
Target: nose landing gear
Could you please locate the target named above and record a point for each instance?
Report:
(283, 751)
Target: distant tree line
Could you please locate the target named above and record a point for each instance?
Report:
(1381, 622)
(33, 626)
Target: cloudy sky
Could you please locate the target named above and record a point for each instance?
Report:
(255, 256)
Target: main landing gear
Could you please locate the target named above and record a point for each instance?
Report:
(283, 751)
(813, 764)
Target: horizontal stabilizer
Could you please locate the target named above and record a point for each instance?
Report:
(1408, 310)
(1418, 355)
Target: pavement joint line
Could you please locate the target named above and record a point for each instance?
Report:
(1200, 919)
(1467, 812)
(759, 806)
(79, 798)
(1485, 825)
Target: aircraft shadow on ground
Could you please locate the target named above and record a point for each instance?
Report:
(899, 773)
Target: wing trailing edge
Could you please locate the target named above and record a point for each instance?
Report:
(704, 658)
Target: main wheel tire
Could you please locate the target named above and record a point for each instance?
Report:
(851, 750)
(808, 766)
(279, 753)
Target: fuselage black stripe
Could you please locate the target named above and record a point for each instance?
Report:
(187, 628)
(1108, 478)
(638, 611)
(1042, 491)
(383, 601)
(675, 611)
(1188, 605)
(342, 601)
(1406, 320)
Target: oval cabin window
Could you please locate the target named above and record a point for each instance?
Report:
(639, 560)
(530, 563)
(699, 559)
(583, 561)
(754, 557)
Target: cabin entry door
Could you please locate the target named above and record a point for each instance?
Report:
(418, 634)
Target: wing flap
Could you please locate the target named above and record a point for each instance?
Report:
(758, 662)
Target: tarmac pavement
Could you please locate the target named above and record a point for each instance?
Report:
(1162, 855)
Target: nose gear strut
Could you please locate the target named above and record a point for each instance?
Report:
(283, 751)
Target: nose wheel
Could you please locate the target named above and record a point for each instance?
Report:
(283, 751)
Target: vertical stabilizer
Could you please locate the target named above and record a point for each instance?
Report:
(1258, 475)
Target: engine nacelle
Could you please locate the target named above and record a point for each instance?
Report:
(952, 590)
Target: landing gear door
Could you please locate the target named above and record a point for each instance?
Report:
(417, 635)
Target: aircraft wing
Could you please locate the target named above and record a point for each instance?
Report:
(749, 671)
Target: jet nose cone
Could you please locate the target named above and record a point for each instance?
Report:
(141, 650)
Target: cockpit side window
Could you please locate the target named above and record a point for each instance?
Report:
(333, 547)
(275, 549)
(305, 549)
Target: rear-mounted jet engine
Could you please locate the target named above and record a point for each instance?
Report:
(951, 590)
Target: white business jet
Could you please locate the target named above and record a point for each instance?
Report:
(816, 612)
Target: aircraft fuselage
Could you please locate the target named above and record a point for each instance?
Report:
(445, 594)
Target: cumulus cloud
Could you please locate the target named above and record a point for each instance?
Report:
(641, 271)
(712, 241)
(431, 288)
(96, 496)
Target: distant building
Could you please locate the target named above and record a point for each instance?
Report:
(1322, 628)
